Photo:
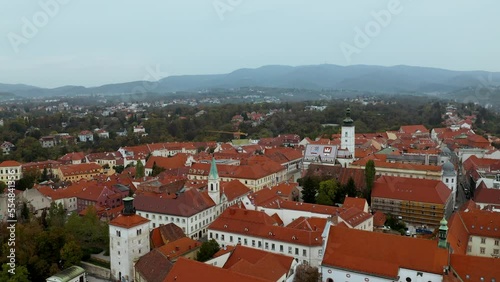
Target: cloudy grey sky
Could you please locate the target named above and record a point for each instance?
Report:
(94, 42)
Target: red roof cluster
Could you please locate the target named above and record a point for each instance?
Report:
(411, 189)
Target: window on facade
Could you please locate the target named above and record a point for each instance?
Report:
(154, 225)
(304, 253)
(272, 247)
(147, 215)
(222, 237)
(469, 249)
(231, 239)
(297, 251)
(217, 236)
(253, 243)
(245, 241)
(139, 231)
(483, 240)
(118, 233)
(211, 235)
(496, 242)
(495, 251)
(482, 250)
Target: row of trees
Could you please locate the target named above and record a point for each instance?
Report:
(46, 245)
(316, 189)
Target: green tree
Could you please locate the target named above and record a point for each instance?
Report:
(88, 230)
(118, 168)
(156, 170)
(45, 175)
(71, 254)
(56, 216)
(139, 169)
(369, 179)
(21, 274)
(306, 273)
(309, 190)
(207, 250)
(3, 186)
(326, 192)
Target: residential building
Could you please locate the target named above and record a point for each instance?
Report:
(77, 172)
(7, 147)
(191, 209)
(85, 136)
(475, 232)
(415, 201)
(256, 229)
(10, 170)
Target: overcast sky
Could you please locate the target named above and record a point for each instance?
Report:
(94, 42)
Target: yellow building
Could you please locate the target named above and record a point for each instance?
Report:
(77, 172)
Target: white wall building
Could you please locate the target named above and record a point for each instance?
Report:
(128, 241)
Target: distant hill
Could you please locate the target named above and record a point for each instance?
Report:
(396, 79)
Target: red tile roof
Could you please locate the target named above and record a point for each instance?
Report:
(164, 234)
(473, 268)
(485, 195)
(78, 169)
(308, 223)
(258, 224)
(258, 263)
(354, 216)
(413, 129)
(186, 270)
(379, 219)
(382, 254)
(177, 161)
(128, 221)
(154, 266)
(411, 189)
(355, 202)
(184, 204)
(179, 247)
(9, 164)
(233, 189)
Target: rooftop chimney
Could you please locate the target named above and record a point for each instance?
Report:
(129, 209)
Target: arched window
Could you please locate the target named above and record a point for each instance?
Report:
(329, 280)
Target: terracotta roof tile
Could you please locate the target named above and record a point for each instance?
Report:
(179, 247)
(186, 270)
(258, 263)
(473, 268)
(10, 164)
(154, 266)
(258, 224)
(382, 254)
(411, 189)
(128, 221)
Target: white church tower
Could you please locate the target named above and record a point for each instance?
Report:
(348, 132)
(214, 183)
(128, 241)
(449, 177)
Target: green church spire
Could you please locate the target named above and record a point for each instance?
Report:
(213, 170)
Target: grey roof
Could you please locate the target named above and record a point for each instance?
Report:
(320, 153)
(449, 169)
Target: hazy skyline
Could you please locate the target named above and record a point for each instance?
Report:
(90, 43)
